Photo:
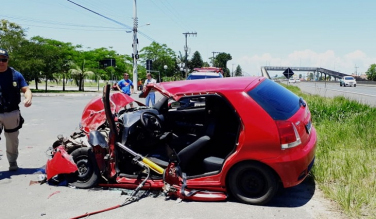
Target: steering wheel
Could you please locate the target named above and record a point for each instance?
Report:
(151, 122)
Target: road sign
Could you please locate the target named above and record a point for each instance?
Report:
(288, 73)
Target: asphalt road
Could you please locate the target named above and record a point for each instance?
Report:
(53, 115)
(365, 94)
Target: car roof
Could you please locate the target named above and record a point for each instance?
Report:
(177, 89)
(204, 73)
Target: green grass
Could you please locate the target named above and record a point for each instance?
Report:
(345, 167)
(69, 87)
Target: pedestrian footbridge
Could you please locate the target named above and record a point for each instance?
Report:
(316, 70)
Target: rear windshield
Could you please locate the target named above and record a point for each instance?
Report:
(276, 100)
(349, 78)
(194, 77)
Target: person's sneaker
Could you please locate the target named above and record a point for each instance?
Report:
(13, 166)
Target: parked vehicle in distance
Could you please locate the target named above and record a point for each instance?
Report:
(347, 81)
(205, 72)
(292, 80)
(202, 141)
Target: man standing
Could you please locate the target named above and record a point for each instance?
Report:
(151, 95)
(126, 86)
(11, 83)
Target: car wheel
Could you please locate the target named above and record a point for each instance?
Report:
(252, 183)
(88, 172)
(354, 85)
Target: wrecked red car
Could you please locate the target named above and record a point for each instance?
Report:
(203, 140)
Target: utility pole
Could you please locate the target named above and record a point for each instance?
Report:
(213, 57)
(233, 69)
(135, 42)
(356, 70)
(186, 51)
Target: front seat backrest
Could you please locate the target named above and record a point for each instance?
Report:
(188, 152)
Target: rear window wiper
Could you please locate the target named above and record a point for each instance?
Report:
(302, 102)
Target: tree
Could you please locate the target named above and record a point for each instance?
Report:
(52, 55)
(311, 76)
(11, 35)
(221, 61)
(84, 62)
(371, 73)
(12, 38)
(238, 71)
(180, 62)
(161, 55)
(31, 61)
(196, 61)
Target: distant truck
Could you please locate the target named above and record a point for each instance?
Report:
(205, 72)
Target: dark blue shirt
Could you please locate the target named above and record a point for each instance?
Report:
(10, 90)
(8, 76)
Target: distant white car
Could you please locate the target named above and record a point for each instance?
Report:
(292, 80)
(347, 81)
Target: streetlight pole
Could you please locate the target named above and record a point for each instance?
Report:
(165, 68)
(233, 69)
(135, 42)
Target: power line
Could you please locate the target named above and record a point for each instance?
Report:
(117, 22)
(173, 12)
(166, 14)
(79, 29)
(124, 25)
(60, 23)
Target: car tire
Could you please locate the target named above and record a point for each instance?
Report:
(252, 183)
(87, 175)
(354, 85)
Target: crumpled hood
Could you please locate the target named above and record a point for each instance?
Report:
(94, 116)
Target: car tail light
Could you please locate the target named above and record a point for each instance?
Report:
(288, 134)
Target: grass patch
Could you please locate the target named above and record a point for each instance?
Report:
(345, 166)
(41, 85)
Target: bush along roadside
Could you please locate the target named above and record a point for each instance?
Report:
(345, 167)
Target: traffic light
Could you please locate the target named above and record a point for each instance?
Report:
(149, 65)
(107, 62)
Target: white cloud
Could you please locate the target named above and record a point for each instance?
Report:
(308, 58)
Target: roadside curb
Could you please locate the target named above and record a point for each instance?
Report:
(66, 94)
(93, 94)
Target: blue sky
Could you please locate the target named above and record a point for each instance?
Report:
(333, 34)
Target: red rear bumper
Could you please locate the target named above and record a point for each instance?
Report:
(294, 166)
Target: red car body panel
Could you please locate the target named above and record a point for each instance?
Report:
(257, 141)
(93, 115)
(61, 163)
